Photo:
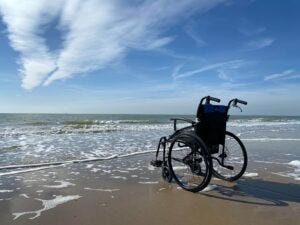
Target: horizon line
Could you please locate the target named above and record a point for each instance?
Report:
(157, 114)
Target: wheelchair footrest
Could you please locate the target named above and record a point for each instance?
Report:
(156, 163)
(229, 167)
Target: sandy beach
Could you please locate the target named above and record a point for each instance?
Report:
(94, 91)
(130, 191)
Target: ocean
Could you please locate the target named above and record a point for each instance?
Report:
(27, 139)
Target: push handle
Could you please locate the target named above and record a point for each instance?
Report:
(213, 99)
(233, 102)
(208, 99)
(241, 101)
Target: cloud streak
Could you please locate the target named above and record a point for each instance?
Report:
(96, 33)
(221, 68)
(285, 75)
(251, 32)
(195, 37)
(258, 44)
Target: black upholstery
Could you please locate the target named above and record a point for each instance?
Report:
(212, 123)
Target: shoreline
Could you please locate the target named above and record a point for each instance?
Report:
(128, 190)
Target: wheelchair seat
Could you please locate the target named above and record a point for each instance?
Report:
(212, 123)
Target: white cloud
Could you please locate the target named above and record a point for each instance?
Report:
(259, 44)
(195, 37)
(220, 68)
(285, 75)
(96, 33)
(25, 20)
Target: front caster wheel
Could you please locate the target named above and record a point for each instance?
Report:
(166, 174)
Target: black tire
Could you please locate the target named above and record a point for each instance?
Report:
(166, 173)
(235, 157)
(189, 162)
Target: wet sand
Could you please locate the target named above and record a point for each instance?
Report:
(129, 191)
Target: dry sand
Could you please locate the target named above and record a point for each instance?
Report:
(129, 191)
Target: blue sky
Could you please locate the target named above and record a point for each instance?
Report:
(101, 56)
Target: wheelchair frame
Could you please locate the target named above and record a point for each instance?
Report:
(209, 146)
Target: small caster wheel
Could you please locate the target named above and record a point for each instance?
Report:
(166, 174)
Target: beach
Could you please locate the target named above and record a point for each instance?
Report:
(130, 191)
(62, 175)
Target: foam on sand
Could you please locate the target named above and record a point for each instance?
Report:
(6, 191)
(48, 204)
(270, 139)
(62, 184)
(95, 170)
(295, 163)
(42, 166)
(24, 195)
(209, 187)
(296, 166)
(119, 177)
(57, 163)
(295, 173)
(88, 166)
(246, 174)
(100, 189)
(148, 182)
(150, 167)
(26, 170)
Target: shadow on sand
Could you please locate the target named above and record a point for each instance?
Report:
(259, 192)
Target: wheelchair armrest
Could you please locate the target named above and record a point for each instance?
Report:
(182, 119)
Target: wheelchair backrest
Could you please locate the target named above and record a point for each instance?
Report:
(212, 123)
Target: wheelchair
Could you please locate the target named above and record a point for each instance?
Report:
(195, 153)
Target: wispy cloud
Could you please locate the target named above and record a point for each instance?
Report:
(220, 68)
(248, 28)
(194, 36)
(175, 55)
(24, 20)
(285, 75)
(96, 33)
(258, 44)
(251, 31)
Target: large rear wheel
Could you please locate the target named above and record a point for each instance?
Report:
(230, 162)
(189, 161)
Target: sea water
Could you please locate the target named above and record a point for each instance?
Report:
(27, 139)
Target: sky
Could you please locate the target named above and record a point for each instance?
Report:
(148, 56)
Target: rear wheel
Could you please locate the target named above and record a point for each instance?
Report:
(190, 162)
(230, 162)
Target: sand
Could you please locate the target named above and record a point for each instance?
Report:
(129, 191)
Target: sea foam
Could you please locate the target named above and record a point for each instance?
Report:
(47, 204)
(62, 184)
(246, 174)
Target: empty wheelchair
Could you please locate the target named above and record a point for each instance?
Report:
(195, 153)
